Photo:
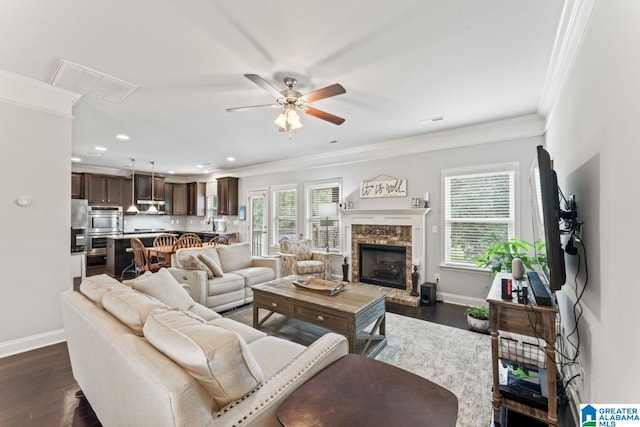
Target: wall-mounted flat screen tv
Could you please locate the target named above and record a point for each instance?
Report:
(546, 212)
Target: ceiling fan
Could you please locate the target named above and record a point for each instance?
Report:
(291, 100)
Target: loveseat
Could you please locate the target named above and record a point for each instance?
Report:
(141, 363)
(221, 277)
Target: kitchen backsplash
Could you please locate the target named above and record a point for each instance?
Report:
(175, 222)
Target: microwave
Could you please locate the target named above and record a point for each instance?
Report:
(144, 205)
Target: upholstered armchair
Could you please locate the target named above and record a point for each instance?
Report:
(298, 258)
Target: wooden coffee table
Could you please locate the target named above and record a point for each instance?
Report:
(349, 313)
(357, 391)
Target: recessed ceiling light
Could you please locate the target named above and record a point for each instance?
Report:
(171, 172)
(231, 159)
(122, 137)
(76, 159)
(201, 165)
(205, 171)
(100, 148)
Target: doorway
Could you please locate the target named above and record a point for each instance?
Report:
(258, 222)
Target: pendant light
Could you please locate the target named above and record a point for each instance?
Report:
(152, 208)
(133, 208)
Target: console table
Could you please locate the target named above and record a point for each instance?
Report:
(530, 320)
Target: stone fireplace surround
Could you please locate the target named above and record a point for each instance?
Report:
(397, 227)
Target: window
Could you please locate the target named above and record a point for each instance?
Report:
(285, 214)
(476, 206)
(323, 230)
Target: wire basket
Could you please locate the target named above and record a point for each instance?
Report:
(522, 349)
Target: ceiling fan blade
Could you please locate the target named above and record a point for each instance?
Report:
(323, 115)
(325, 92)
(252, 107)
(264, 85)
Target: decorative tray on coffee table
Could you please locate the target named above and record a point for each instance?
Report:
(324, 286)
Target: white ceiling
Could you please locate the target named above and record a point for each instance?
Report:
(401, 62)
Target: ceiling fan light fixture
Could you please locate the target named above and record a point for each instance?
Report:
(288, 119)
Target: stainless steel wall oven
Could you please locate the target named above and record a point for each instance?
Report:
(103, 222)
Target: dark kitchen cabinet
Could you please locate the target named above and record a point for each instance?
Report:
(143, 188)
(179, 199)
(103, 189)
(168, 198)
(77, 188)
(227, 195)
(196, 198)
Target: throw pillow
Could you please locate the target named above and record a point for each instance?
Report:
(163, 287)
(130, 307)
(211, 265)
(191, 262)
(235, 257)
(217, 358)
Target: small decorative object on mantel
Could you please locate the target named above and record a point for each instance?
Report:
(383, 186)
(416, 202)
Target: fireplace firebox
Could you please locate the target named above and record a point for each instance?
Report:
(382, 265)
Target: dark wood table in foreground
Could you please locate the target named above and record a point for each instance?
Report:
(358, 391)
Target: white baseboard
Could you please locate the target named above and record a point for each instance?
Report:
(32, 342)
(460, 299)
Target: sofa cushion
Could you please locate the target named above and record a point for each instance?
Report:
(256, 275)
(234, 257)
(228, 283)
(95, 287)
(273, 354)
(300, 248)
(163, 287)
(211, 264)
(204, 312)
(130, 307)
(309, 267)
(216, 357)
(247, 333)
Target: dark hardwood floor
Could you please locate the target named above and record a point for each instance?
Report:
(37, 388)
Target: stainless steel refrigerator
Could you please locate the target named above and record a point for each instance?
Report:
(79, 222)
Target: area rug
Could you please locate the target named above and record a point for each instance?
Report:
(453, 358)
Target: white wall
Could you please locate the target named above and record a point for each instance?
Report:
(593, 135)
(35, 250)
(423, 173)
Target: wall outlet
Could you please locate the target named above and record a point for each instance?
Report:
(434, 229)
(437, 276)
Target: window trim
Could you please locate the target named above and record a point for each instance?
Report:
(273, 190)
(477, 170)
(310, 186)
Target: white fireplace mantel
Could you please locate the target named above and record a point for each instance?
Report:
(402, 212)
(415, 217)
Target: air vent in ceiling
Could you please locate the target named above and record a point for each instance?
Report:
(80, 79)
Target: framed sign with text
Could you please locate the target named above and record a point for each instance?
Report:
(394, 187)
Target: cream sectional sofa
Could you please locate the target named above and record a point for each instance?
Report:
(141, 363)
(221, 277)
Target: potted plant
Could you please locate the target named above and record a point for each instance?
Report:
(500, 253)
(478, 318)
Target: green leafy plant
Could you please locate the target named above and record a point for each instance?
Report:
(481, 313)
(499, 254)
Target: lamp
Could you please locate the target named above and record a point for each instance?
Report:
(152, 208)
(133, 208)
(326, 210)
(288, 119)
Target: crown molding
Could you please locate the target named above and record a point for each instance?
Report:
(496, 131)
(35, 94)
(574, 22)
